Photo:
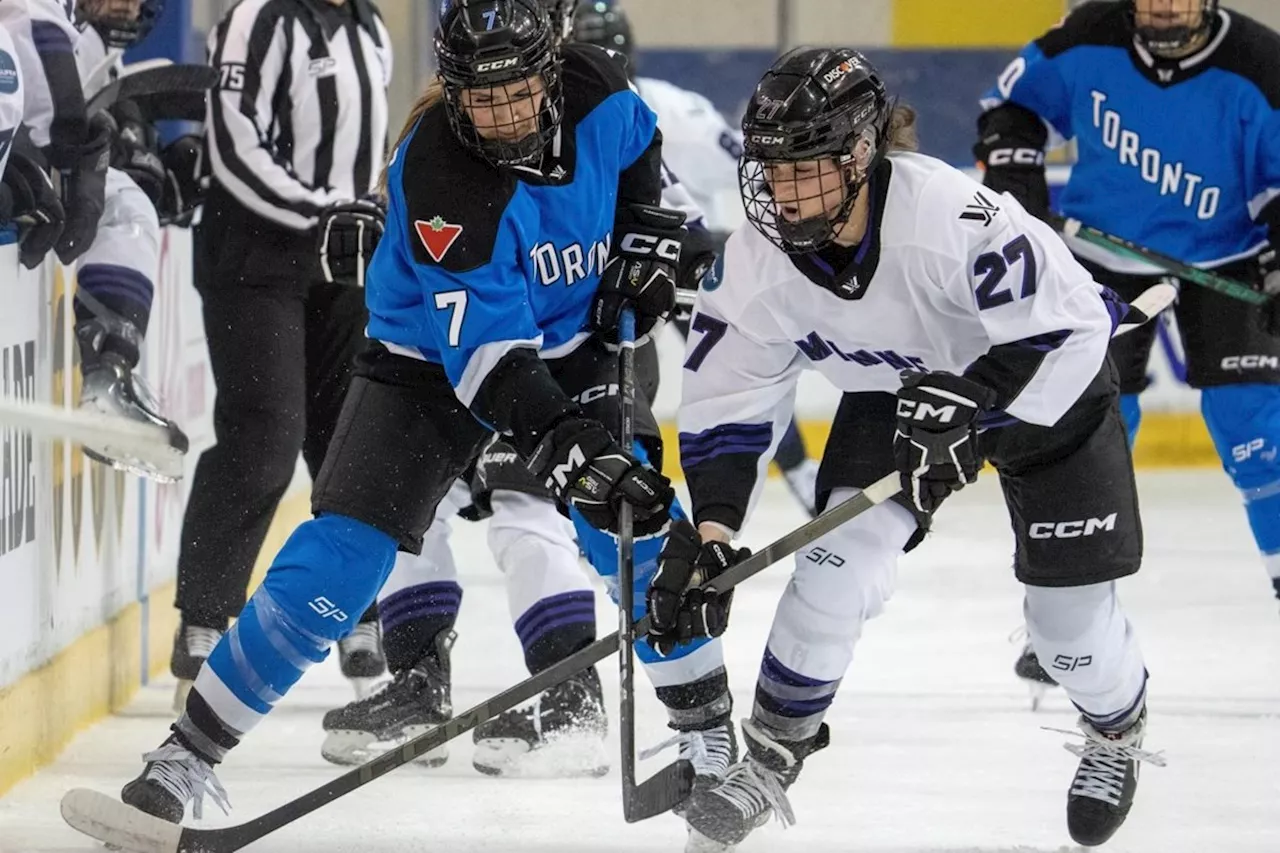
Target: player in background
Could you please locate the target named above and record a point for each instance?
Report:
(701, 150)
(521, 220)
(956, 338)
(116, 252)
(16, 195)
(1128, 80)
(552, 605)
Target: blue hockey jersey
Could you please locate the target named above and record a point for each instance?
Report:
(478, 261)
(1181, 156)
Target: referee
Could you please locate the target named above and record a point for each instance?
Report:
(295, 136)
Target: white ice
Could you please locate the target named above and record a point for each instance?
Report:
(933, 745)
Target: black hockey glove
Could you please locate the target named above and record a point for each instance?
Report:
(583, 467)
(35, 205)
(136, 150)
(641, 271)
(935, 445)
(1010, 147)
(680, 611)
(84, 189)
(697, 255)
(348, 234)
(184, 182)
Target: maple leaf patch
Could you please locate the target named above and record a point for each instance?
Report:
(437, 236)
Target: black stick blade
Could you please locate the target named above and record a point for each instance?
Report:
(660, 793)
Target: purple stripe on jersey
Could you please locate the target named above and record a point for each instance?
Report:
(49, 38)
(696, 448)
(1049, 341)
(1116, 307)
(695, 440)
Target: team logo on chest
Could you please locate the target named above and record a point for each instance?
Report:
(437, 236)
(572, 263)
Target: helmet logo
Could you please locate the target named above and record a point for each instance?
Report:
(497, 64)
(766, 139)
(836, 73)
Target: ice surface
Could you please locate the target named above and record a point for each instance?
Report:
(933, 749)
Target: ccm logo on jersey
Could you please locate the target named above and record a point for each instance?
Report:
(667, 248)
(497, 64)
(1072, 529)
(1251, 362)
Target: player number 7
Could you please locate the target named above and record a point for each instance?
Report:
(455, 300)
(713, 330)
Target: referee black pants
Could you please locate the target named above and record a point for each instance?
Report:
(281, 343)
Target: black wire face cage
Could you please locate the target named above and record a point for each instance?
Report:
(508, 124)
(121, 23)
(776, 191)
(1176, 37)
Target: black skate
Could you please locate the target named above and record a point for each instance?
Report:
(361, 659)
(174, 776)
(711, 752)
(559, 734)
(1106, 780)
(111, 387)
(192, 646)
(414, 701)
(1027, 667)
(721, 815)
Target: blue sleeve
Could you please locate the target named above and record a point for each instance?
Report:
(1034, 81)
(1262, 160)
(474, 318)
(640, 124)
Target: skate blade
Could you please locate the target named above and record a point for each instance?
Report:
(180, 694)
(118, 825)
(350, 748)
(165, 468)
(699, 843)
(567, 756)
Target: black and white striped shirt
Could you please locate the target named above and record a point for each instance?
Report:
(299, 120)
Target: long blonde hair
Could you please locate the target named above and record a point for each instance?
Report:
(903, 135)
(430, 97)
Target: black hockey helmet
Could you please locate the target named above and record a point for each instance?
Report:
(121, 23)
(1182, 29)
(604, 23)
(502, 49)
(813, 104)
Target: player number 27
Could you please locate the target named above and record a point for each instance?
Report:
(712, 331)
(994, 266)
(455, 301)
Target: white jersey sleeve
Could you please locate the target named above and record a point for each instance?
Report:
(10, 96)
(701, 149)
(44, 41)
(738, 390)
(1047, 321)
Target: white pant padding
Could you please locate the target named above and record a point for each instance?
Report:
(435, 563)
(843, 579)
(1084, 640)
(535, 549)
(129, 232)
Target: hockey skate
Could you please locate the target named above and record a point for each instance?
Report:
(561, 733)
(361, 659)
(1106, 780)
(174, 777)
(711, 752)
(721, 815)
(111, 387)
(1027, 667)
(192, 646)
(415, 700)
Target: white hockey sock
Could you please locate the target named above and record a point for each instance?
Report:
(1084, 640)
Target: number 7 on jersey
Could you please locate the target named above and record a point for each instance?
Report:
(455, 300)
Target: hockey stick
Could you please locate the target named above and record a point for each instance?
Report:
(1126, 248)
(111, 821)
(47, 421)
(672, 784)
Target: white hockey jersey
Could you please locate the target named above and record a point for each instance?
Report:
(950, 277)
(701, 148)
(11, 95)
(44, 40)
